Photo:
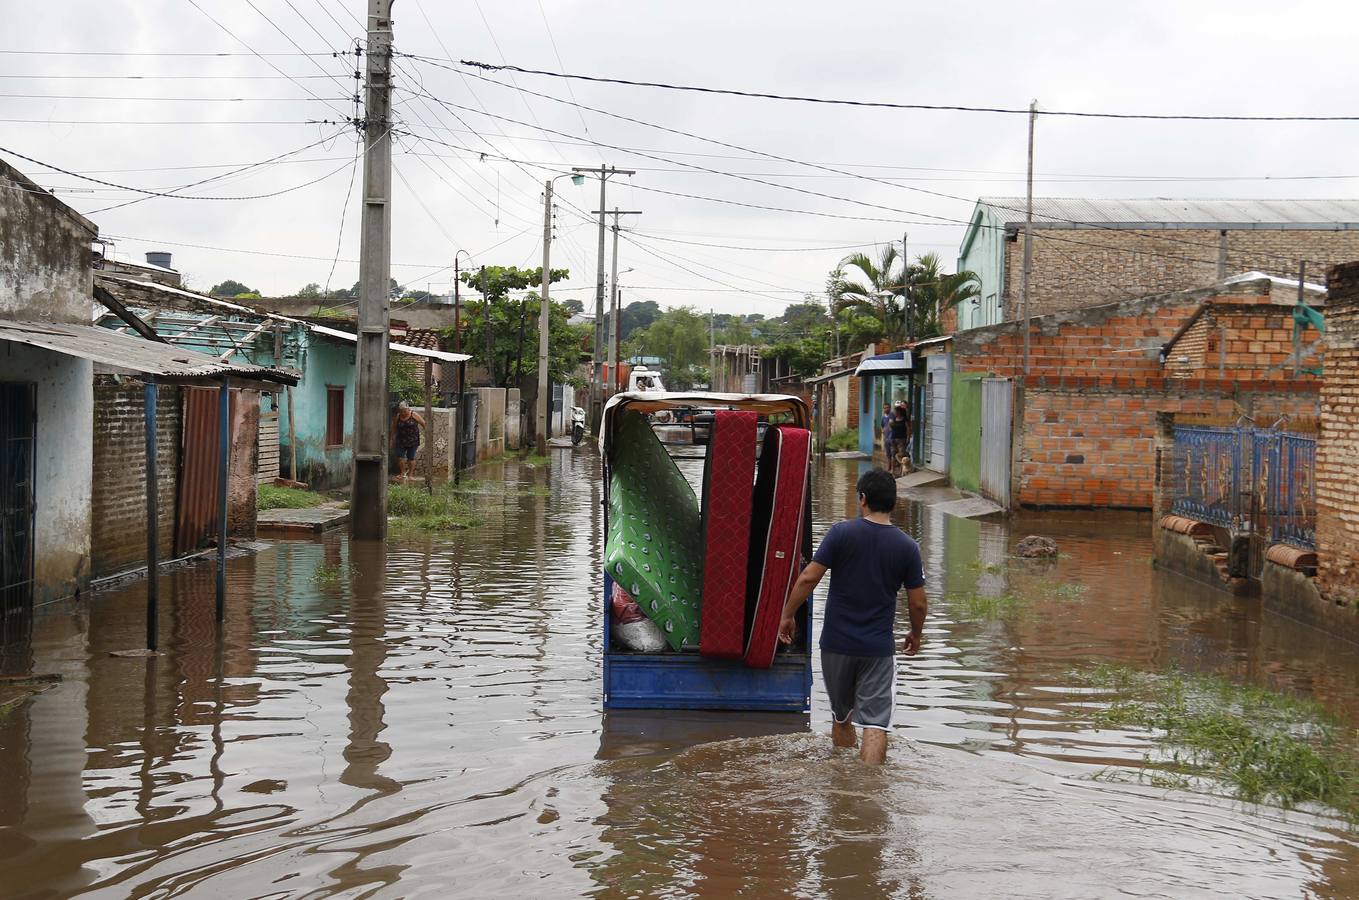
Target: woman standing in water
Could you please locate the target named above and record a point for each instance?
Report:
(406, 425)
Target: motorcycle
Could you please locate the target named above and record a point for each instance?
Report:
(577, 425)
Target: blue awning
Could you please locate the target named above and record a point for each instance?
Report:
(898, 362)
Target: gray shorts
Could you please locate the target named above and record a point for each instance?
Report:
(860, 686)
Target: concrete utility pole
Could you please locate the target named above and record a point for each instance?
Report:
(1028, 240)
(604, 173)
(540, 418)
(612, 336)
(368, 495)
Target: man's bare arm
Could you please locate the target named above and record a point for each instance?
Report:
(802, 589)
(918, 606)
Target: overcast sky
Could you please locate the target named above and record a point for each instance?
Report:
(1204, 57)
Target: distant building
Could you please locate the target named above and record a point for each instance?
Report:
(1092, 252)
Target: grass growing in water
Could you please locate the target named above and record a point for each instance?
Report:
(534, 459)
(330, 574)
(484, 487)
(843, 440)
(1269, 747)
(444, 510)
(975, 605)
(268, 496)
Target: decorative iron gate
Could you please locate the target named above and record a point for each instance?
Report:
(1249, 480)
(18, 417)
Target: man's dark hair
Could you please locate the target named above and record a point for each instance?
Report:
(879, 490)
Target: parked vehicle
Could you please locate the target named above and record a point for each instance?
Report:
(683, 678)
(577, 424)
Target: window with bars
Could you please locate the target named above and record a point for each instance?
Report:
(334, 416)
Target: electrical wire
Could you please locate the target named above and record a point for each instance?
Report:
(147, 53)
(910, 106)
(121, 98)
(349, 192)
(262, 57)
(165, 194)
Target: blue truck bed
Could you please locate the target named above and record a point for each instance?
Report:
(690, 681)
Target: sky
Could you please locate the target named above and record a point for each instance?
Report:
(107, 98)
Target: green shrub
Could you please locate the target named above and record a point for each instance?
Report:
(843, 440)
(268, 496)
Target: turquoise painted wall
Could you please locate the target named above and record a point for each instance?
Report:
(324, 362)
(983, 251)
(965, 431)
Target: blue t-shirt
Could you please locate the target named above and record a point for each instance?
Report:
(869, 564)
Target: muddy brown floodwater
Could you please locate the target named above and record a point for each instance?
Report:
(427, 722)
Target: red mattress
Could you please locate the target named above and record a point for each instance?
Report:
(776, 534)
(728, 482)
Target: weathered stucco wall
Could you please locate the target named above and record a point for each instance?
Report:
(63, 463)
(46, 271)
(324, 363)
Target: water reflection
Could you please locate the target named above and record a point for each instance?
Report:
(423, 718)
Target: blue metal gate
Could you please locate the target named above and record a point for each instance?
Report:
(1252, 480)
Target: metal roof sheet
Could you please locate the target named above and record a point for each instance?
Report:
(1057, 212)
(128, 353)
(441, 355)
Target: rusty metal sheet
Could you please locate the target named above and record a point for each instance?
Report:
(200, 450)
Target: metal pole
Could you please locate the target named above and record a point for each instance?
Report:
(1297, 331)
(541, 426)
(617, 346)
(457, 308)
(712, 350)
(429, 424)
(595, 361)
(613, 308)
(223, 483)
(368, 497)
(152, 522)
(907, 295)
(1028, 238)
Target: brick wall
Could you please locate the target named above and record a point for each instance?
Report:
(1338, 442)
(118, 541)
(1241, 340)
(1089, 442)
(1070, 271)
(1089, 414)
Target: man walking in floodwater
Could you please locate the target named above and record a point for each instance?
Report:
(870, 561)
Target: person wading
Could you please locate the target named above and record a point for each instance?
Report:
(870, 560)
(406, 425)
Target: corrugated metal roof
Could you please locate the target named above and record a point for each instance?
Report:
(111, 281)
(130, 354)
(1057, 212)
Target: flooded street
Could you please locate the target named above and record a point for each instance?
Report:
(427, 722)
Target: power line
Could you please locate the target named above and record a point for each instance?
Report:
(144, 53)
(121, 98)
(180, 122)
(63, 77)
(262, 57)
(272, 160)
(656, 237)
(165, 194)
(910, 106)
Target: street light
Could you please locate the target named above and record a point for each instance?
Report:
(457, 304)
(545, 315)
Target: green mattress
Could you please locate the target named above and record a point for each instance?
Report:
(654, 547)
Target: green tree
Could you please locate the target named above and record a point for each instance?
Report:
(230, 288)
(932, 292)
(310, 291)
(879, 291)
(501, 332)
(679, 337)
(637, 314)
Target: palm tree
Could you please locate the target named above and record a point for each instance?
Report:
(932, 292)
(881, 292)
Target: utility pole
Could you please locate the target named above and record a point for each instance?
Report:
(612, 336)
(541, 424)
(368, 495)
(712, 350)
(604, 173)
(1028, 240)
(908, 296)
